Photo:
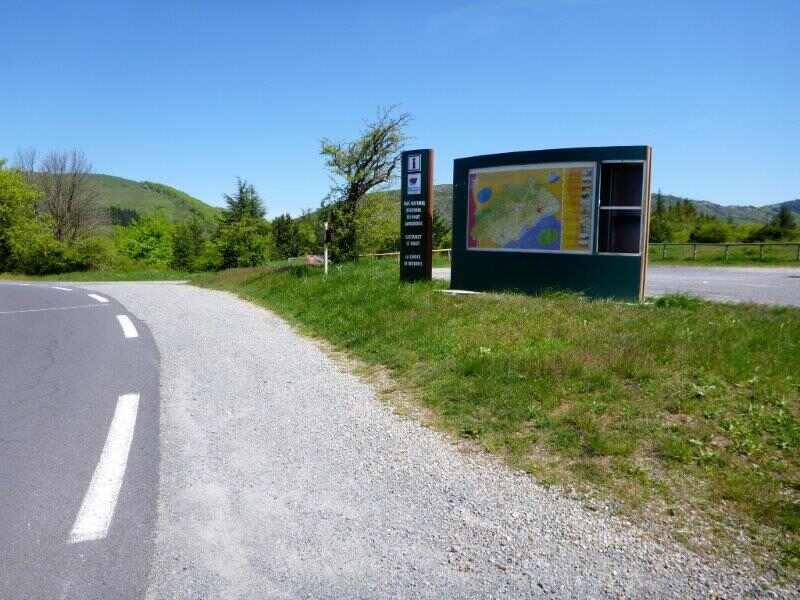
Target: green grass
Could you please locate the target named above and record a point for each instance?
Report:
(672, 409)
(144, 275)
(737, 257)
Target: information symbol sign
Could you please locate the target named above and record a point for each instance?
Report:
(414, 162)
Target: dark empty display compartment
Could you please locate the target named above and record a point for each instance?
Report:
(620, 231)
(621, 184)
(621, 194)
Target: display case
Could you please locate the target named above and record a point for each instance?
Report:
(621, 203)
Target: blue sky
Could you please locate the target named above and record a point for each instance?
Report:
(194, 94)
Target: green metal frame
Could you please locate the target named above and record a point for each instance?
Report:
(596, 275)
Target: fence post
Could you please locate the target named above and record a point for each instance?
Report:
(694, 251)
(798, 252)
(761, 252)
(663, 251)
(727, 247)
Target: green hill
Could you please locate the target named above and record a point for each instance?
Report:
(146, 197)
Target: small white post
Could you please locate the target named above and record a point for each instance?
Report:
(326, 248)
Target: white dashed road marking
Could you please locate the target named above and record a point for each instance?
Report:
(97, 510)
(128, 328)
(63, 289)
(99, 298)
(34, 310)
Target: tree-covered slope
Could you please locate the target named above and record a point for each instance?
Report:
(146, 197)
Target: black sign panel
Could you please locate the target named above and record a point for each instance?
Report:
(416, 215)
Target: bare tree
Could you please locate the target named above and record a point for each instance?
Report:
(357, 167)
(68, 194)
(25, 162)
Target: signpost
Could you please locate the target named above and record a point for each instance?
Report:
(416, 215)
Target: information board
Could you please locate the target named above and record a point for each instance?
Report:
(416, 215)
(572, 219)
(532, 208)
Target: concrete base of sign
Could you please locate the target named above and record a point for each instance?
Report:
(460, 292)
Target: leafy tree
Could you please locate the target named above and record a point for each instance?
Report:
(148, 240)
(660, 229)
(100, 252)
(26, 240)
(188, 243)
(440, 230)
(245, 202)
(660, 206)
(243, 236)
(356, 168)
(285, 236)
(35, 251)
(210, 257)
(782, 226)
(309, 232)
(785, 219)
(710, 230)
(17, 205)
(243, 243)
(122, 216)
(378, 224)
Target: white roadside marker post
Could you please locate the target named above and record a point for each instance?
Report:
(328, 237)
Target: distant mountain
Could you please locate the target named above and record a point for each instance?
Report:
(738, 214)
(146, 197)
(443, 203)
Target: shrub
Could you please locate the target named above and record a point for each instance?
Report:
(187, 244)
(148, 241)
(244, 242)
(35, 251)
(99, 253)
(684, 301)
(712, 231)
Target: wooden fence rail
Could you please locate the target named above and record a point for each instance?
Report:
(726, 247)
(663, 246)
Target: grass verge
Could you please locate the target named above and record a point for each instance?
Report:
(738, 256)
(148, 275)
(685, 411)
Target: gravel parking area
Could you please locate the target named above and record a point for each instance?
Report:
(779, 286)
(283, 476)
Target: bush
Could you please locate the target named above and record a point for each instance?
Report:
(35, 251)
(660, 230)
(711, 232)
(147, 241)
(209, 259)
(99, 253)
(684, 301)
(187, 244)
(244, 242)
(27, 243)
(770, 233)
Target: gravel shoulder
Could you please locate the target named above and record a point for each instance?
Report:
(284, 476)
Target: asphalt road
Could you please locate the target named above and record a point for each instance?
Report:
(762, 285)
(77, 497)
